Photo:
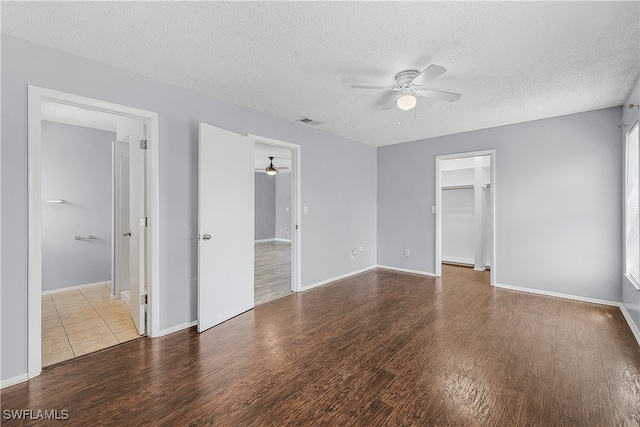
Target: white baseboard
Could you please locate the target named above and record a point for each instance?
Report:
(73, 288)
(125, 296)
(13, 381)
(406, 270)
(273, 239)
(557, 295)
(634, 328)
(278, 239)
(176, 328)
(458, 260)
(333, 279)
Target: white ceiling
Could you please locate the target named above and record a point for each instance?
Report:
(511, 61)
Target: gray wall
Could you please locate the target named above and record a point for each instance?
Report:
(76, 167)
(265, 207)
(340, 195)
(630, 294)
(558, 202)
(283, 202)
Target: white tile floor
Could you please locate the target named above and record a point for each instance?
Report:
(83, 321)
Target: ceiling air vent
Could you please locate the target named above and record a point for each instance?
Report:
(308, 121)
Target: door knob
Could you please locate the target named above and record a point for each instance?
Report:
(127, 234)
(206, 236)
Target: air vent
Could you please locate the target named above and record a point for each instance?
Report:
(308, 121)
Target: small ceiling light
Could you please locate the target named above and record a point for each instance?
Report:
(406, 102)
(270, 169)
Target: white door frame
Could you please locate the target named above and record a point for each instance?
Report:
(34, 142)
(492, 191)
(296, 238)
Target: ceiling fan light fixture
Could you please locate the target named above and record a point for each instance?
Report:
(406, 102)
(270, 169)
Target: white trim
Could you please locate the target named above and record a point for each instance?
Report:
(406, 270)
(176, 328)
(13, 381)
(125, 296)
(634, 328)
(557, 295)
(459, 260)
(296, 214)
(35, 96)
(265, 240)
(73, 288)
(333, 279)
(438, 203)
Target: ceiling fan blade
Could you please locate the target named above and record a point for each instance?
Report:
(282, 169)
(391, 102)
(436, 94)
(372, 87)
(430, 73)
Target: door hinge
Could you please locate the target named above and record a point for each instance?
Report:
(143, 299)
(144, 222)
(143, 144)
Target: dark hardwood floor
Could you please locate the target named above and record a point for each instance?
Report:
(379, 349)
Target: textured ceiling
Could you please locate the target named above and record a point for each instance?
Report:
(511, 61)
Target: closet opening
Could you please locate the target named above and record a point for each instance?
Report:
(465, 211)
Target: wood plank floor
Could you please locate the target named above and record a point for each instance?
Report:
(378, 349)
(272, 271)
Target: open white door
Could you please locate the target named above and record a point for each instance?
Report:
(226, 227)
(121, 217)
(137, 224)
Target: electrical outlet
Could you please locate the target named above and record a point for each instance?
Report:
(353, 253)
(406, 252)
(361, 248)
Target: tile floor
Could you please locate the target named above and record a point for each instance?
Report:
(83, 321)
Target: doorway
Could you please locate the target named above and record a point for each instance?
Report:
(75, 294)
(226, 237)
(80, 313)
(465, 211)
(273, 265)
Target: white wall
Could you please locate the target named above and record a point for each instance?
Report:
(76, 167)
(341, 196)
(458, 218)
(558, 202)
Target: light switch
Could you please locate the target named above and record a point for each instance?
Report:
(433, 209)
(306, 210)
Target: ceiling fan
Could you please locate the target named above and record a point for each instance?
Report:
(409, 85)
(272, 170)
